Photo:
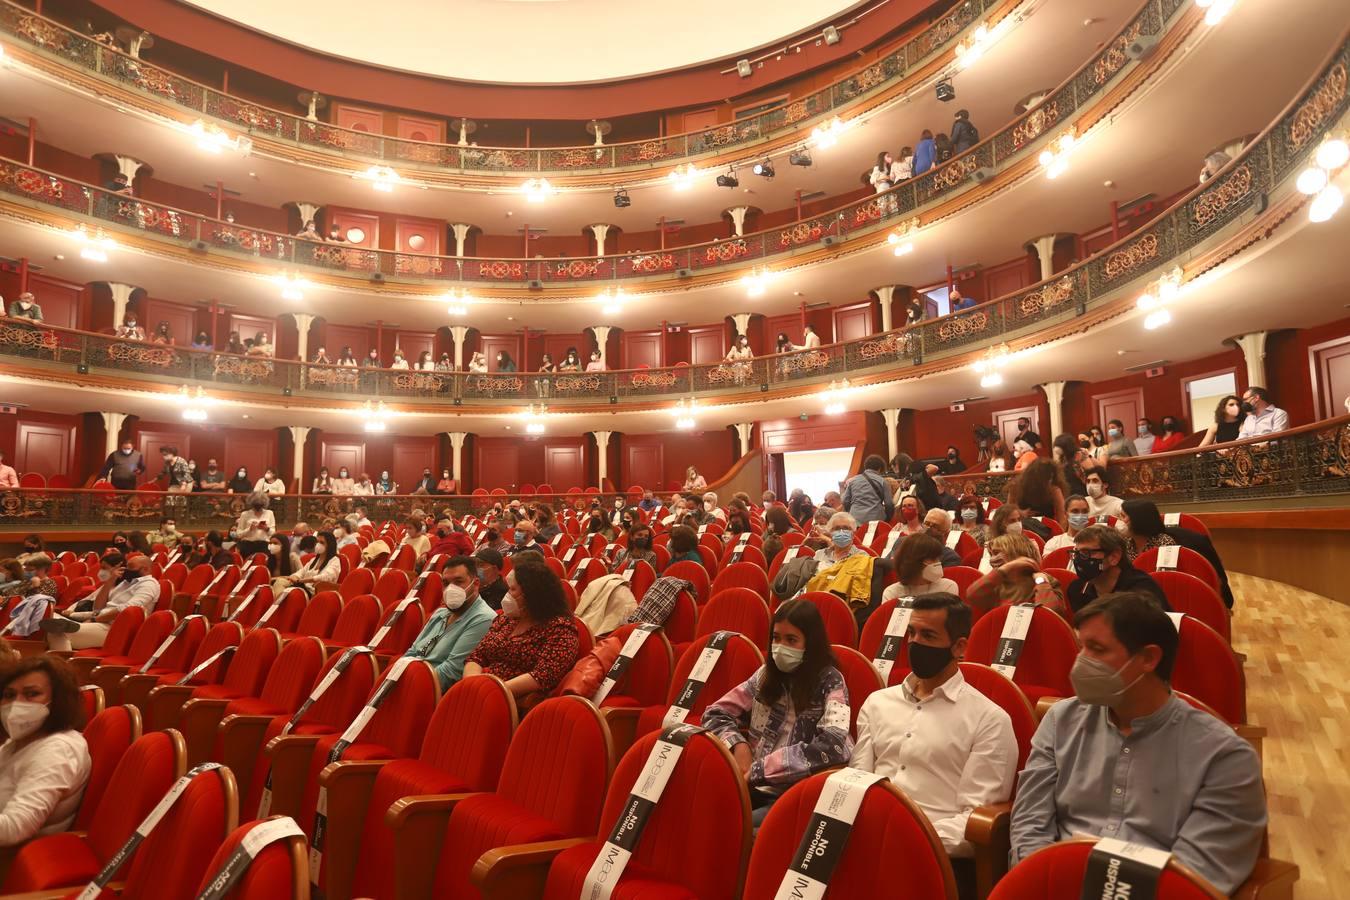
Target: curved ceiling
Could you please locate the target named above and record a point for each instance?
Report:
(531, 41)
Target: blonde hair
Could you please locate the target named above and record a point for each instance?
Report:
(1010, 547)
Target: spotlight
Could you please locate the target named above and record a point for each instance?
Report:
(621, 198)
(945, 91)
(764, 169)
(728, 180)
(799, 158)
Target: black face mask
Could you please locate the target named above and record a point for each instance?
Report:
(1084, 445)
(926, 661)
(951, 456)
(1087, 567)
(130, 575)
(640, 543)
(442, 532)
(1169, 426)
(1247, 408)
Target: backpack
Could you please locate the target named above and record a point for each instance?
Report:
(792, 577)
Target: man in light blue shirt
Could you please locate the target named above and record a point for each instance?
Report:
(454, 630)
(1128, 759)
(1263, 417)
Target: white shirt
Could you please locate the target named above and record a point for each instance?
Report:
(244, 529)
(949, 753)
(275, 486)
(1105, 505)
(941, 586)
(143, 592)
(311, 571)
(1056, 542)
(41, 785)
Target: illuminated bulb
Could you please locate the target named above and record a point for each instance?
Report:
(1333, 154)
(93, 253)
(1157, 319)
(1066, 141)
(1147, 301)
(1217, 10)
(534, 428)
(1325, 204)
(902, 249)
(457, 309)
(194, 414)
(612, 309)
(1046, 158)
(1311, 180)
(290, 293)
(1057, 168)
(992, 379)
(834, 408)
(685, 423)
(375, 426)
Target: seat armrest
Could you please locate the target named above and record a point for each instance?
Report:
(506, 873)
(1272, 879)
(419, 825)
(164, 704)
(241, 743)
(1043, 706)
(1254, 735)
(349, 786)
(113, 889)
(135, 689)
(989, 831)
(109, 678)
(198, 720)
(289, 756)
(84, 666)
(622, 722)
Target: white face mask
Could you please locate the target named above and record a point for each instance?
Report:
(1094, 490)
(454, 597)
(104, 574)
(1015, 528)
(932, 573)
(786, 658)
(22, 717)
(1123, 527)
(510, 607)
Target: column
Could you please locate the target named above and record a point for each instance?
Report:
(134, 44)
(298, 435)
(302, 323)
(128, 166)
(112, 427)
(600, 232)
(308, 212)
(602, 449)
(737, 214)
(315, 100)
(1253, 347)
(884, 296)
(743, 430)
(1045, 252)
(458, 333)
(742, 321)
(121, 296)
(461, 235)
(1054, 395)
(601, 333)
(892, 417)
(457, 458)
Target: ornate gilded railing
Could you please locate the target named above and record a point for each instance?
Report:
(1307, 462)
(900, 204)
(81, 51)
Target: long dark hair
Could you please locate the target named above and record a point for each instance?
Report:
(1218, 410)
(881, 160)
(543, 591)
(1031, 488)
(800, 685)
(1144, 517)
(282, 564)
(331, 543)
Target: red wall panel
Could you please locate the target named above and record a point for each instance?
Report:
(358, 118)
(417, 128)
(337, 452)
(565, 463)
(816, 433)
(707, 344)
(497, 463)
(45, 448)
(643, 462)
(492, 344)
(358, 228)
(255, 450)
(411, 456)
(414, 342)
(338, 336)
(641, 348)
(854, 322)
(60, 300)
(413, 235)
(182, 318)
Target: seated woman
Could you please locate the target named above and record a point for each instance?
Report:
(1015, 576)
(1000, 457)
(693, 481)
(1040, 489)
(971, 518)
(1078, 516)
(777, 524)
(639, 548)
(37, 572)
(44, 764)
(791, 718)
(325, 567)
(1142, 525)
(918, 566)
(282, 562)
(684, 545)
(534, 642)
(912, 511)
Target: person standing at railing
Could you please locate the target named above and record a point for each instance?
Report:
(424, 362)
(177, 473)
(213, 477)
(269, 484)
(130, 329)
(942, 148)
(444, 363)
(386, 485)
(26, 307)
(964, 134)
(924, 153)
(571, 362)
(478, 363)
(118, 184)
(596, 364)
(8, 477)
(400, 362)
(202, 341)
(342, 485)
(162, 335)
(957, 302)
(810, 340)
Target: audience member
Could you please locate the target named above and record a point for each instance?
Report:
(885, 173)
(938, 524)
(1071, 458)
(1097, 448)
(26, 307)
(740, 350)
(1000, 457)
(684, 545)
(130, 329)
(282, 561)
(1126, 758)
(867, 497)
(710, 507)
(447, 483)
(1173, 433)
(964, 133)
(37, 573)
(1078, 514)
(596, 364)
(478, 363)
(1015, 576)
(342, 485)
(269, 483)
(166, 534)
(1039, 490)
(8, 477)
(800, 507)
(534, 642)
(972, 520)
(957, 302)
(1100, 501)
(839, 534)
(254, 527)
(44, 763)
(400, 362)
(639, 548)
(526, 538)
(454, 630)
(1263, 416)
(1142, 526)
(504, 362)
(324, 568)
(1118, 446)
(211, 551)
(942, 148)
(122, 467)
(1024, 454)
(213, 478)
(1143, 445)
(810, 340)
(491, 586)
(131, 582)
(791, 718)
(918, 568)
(904, 166)
(163, 335)
(571, 361)
(1102, 563)
(925, 153)
(1213, 163)
(833, 501)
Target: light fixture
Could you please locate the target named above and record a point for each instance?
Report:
(194, 403)
(764, 169)
(613, 300)
(991, 364)
(682, 177)
(800, 157)
(991, 379)
(836, 396)
(1316, 180)
(458, 301)
(1055, 158)
(292, 285)
(757, 281)
(1157, 319)
(899, 239)
(981, 39)
(1215, 10)
(685, 412)
(1158, 295)
(213, 139)
(537, 190)
(94, 247)
(374, 417)
(381, 178)
(621, 198)
(826, 135)
(1326, 204)
(535, 417)
(728, 180)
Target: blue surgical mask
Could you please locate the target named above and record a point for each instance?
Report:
(841, 538)
(1113, 433)
(520, 539)
(1078, 521)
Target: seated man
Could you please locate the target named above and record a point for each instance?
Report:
(938, 523)
(525, 537)
(167, 533)
(1128, 759)
(130, 583)
(1100, 501)
(450, 539)
(212, 550)
(1101, 561)
(491, 584)
(945, 744)
(454, 630)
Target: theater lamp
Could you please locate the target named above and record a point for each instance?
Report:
(535, 417)
(612, 301)
(685, 412)
(1215, 10)
(991, 365)
(826, 135)
(194, 402)
(374, 417)
(981, 39)
(899, 239)
(1159, 295)
(1316, 180)
(96, 246)
(213, 139)
(836, 396)
(537, 190)
(1055, 158)
(757, 282)
(381, 178)
(682, 177)
(457, 302)
(292, 285)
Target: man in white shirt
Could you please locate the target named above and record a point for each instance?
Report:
(1100, 501)
(130, 583)
(810, 340)
(360, 514)
(942, 742)
(1263, 417)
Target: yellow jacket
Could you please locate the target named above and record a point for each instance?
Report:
(851, 578)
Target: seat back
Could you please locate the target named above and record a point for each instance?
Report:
(742, 575)
(749, 554)
(144, 773)
(123, 630)
(682, 624)
(403, 632)
(171, 861)
(741, 658)
(841, 626)
(1188, 594)
(561, 734)
(647, 679)
(1047, 653)
(393, 584)
(357, 622)
(736, 609)
(293, 674)
(280, 869)
(359, 581)
(1188, 561)
(860, 677)
(150, 635)
(695, 574)
(290, 608)
(964, 576)
(320, 615)
(345, 696)
(248, 616)
(197, 579)
(109, 735)
(252, 662)
(644, 576)
(1207, 670)
(1058, 559)
(1056, 873)
(402, 559)
(890, 835)
(874, 631)
(1010, 699)
(221, 635)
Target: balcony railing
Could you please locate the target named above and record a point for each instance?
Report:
(75, 49)
(1303, 463)
(901, 204)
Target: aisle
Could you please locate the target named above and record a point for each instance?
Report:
(1298, 687)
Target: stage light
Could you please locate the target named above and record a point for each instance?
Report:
(799, 158)
(764, 169)
(621, 199)
(728, 180)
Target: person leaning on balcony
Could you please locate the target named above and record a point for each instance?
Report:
(424, 362)
(262, 346)
(571, 362)
(8, 477)
(924, 153)
(342, 485)
(177, 473)
(904, 166)
(883, 176)
(444, 363)
(162, 335)
(213, 477)
(810, 340)
(400, 362)
(964, 134)
(957, 302)
(942, 147)
(269, 483)
(741, 350)
(1263, 417)
(321, 358)
(122, 467)
(596, 364)
(1117, 444)
(26, 307)
(478, 363)
(130, 329)
(202, 341)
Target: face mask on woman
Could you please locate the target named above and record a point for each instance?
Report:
(1078, 521)
(510, 607)
(22, 717)
(104, 574)
(932, 572)
(841, 538)
(970, 515)
(274, 549)
(1014, 528)
(787, 659)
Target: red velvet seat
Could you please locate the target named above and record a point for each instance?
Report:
(140, 779)
(1057, 559)
(872, 534)
(403, 630)
(1207, 670)
(892, 852)
(1056, 873)
(742, 575)
(735, 609)
(279, 870)
(285, 611)
(682, 624)
(737, 554)
(1047, 654)
(1188, 594)
(644, 576)
(136, 686)
(360, 581)
(118, 641)
(841, 626)
(695, 574)
(874, 631)
(740, 659)
(531, 803)
(1188, 561)
(356, 623)
(964, 576)
(393, 584)
(319, 618)
(789, 552)
(695, 843)
(109, 735)
(242, 675)
(182, 640)
(247, 604)
(860, 677)
(647, 679)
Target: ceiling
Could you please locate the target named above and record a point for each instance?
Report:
(531, 41)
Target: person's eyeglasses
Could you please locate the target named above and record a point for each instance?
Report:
(1093, 552)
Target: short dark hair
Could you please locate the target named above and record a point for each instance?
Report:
(169, 450)
(460, 560)
(1137, 621)
(1259, 392)
(683, 539)
(874, 463)
(164, 519)
(1116, 422)
(113, 559)
(543, 590)
(1102, 472)
(1110, 540)
(213, 537)
(958, 614)
(66, 712)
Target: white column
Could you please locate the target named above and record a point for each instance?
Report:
(600, 232)
(457, 457)
(742, 321)
(892, 417)
(134, 45)
(121, 296)
(602, 448)
(1045, 251)
(128, 167)
(743, 430)
(1054, 396)
(459, 333)
(737, 214)
(314, 99)
(884, 295)
(112, 425)
(308, 211)
(302, 323)
(1253, 348)
(461, 235)
(298, 435)
(601, 341)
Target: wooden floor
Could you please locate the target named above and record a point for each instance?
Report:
(1298, 687)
